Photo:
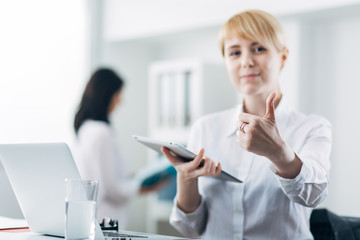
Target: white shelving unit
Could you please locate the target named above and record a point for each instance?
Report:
(179, 93)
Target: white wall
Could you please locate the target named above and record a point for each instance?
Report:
(330, 87)
(141, 18)
(345, 194)
(43, 67)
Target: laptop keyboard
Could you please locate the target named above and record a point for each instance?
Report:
(121, 236)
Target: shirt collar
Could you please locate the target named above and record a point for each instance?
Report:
(280, 115)
(231, 126)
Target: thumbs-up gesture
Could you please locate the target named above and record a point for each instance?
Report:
(260, 135)
(270, 108)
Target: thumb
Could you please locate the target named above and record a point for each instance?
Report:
(270, 109)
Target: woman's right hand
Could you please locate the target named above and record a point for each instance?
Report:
(188, 197)
(200, 166)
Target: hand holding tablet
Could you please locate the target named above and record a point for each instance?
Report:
(181, 152)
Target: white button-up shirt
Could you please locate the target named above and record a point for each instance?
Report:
(265, 205)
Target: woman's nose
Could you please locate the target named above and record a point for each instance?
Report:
(246, 60)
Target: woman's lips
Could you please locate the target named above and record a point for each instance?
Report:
(250, 76)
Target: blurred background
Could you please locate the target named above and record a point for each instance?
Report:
(48, 49)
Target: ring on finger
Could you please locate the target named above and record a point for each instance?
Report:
(242, 126)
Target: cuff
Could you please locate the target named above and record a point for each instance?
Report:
(189, 224)
(190, 217)
(293, 187)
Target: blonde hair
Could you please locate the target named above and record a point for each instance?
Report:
(254, 25)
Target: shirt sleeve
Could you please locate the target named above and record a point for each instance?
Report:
(191, 224)
(310, 187)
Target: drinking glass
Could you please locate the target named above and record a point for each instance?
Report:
(80, 209)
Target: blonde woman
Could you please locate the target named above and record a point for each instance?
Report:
(281, 155)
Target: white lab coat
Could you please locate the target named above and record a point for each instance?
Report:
(98, 156)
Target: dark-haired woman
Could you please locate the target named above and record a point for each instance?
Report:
(96, 152)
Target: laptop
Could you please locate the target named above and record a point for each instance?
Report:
(37, 175)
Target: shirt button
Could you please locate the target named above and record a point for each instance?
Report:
(237, 210)
(296, 198)
(237, 236)
(191, 218)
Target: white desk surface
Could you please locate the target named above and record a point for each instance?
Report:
(26, 236)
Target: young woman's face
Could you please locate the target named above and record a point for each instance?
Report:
(115, 101)
(253, 68)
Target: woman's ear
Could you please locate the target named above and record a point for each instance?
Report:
(284, 56)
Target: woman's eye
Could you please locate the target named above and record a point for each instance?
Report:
(235, 53)
(259, 49)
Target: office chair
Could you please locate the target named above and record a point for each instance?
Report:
(325, 225)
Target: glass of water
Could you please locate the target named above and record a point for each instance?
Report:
(80, 209)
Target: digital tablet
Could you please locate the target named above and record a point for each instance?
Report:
(181, 152)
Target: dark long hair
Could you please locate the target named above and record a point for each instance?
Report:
(96, 99)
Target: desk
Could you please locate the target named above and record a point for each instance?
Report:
(26, 236)
(19, 232)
